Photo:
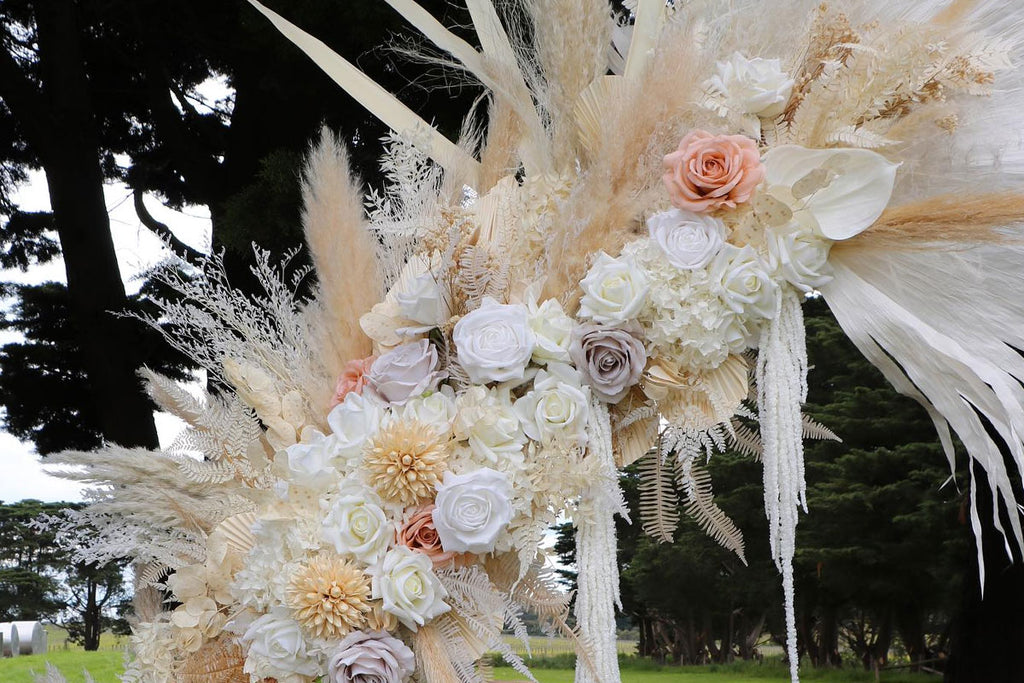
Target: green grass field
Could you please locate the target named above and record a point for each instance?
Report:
(106, 664)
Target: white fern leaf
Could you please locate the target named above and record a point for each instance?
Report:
(695, 481)
(815, 430)
(659, 512)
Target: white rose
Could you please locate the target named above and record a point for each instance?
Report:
(746, 286)
(310, 463)
(753, 86)
(552, 328)
(558, 406)
(688, 240)
(353, 422)
(471, 510)
(494, 342)
(423, 302)
(356, 525)
(436, 409)
(406, 583)
(799, 257)
(279, 648)
(486, 419)
(614, 290)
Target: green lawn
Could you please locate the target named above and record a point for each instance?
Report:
(106, 664)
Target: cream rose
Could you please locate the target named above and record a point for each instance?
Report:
(370, 658)
(746, 286)
(423, 302)
(408, 587)
(353, 422)
(753, 86)
(494, 342)
(688, 240)
(277, 648)
(614, 290)
(472, 509)
(551, 327)
(405, 372)
(488, 422)
(436, 409)
(356, 525)
(310, 463)
(557, 407)
(799, 257)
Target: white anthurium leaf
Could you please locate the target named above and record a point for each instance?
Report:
(844, 190)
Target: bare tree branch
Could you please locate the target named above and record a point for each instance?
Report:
(161, 230)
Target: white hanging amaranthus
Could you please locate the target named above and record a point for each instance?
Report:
(781, 391)
(596, 562)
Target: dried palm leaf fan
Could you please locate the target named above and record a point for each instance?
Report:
(614, 275)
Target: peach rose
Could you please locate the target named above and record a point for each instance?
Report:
(709, 171)
(353, 378)
(419, 534)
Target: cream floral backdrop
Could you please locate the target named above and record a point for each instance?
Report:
(611, 272)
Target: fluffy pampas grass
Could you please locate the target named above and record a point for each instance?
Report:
(343, 250)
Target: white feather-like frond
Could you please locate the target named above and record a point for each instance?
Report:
(945, 326)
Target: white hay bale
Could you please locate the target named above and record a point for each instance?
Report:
(31, 637)
(11, 642)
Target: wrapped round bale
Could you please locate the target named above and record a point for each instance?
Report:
(31, 637)
(11, 642)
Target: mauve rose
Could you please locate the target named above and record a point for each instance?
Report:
(370, 658)
(611, 359)
(405, 372)
(353, 378)
(420, 534)
(709, 171)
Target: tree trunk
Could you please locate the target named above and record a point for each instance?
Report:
(91, 620)
(987, 636)
(71, 159)
(828, 638)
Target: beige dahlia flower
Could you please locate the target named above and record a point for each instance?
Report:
(330, 596)
(405, 461)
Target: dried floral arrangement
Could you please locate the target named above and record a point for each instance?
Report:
(611, 272)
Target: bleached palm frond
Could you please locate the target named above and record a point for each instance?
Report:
(659, 512)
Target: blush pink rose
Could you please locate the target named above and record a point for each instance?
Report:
(709, 171)
(419, 534)
(353, 378)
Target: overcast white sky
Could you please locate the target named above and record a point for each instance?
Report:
(137, 249)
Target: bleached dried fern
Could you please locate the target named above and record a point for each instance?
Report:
(484, 610)
(695, 481)
(659, 512)
(815, 430)
(398, 210)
